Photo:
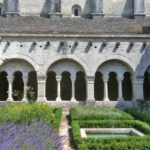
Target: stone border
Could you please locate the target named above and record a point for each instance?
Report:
(134, 132)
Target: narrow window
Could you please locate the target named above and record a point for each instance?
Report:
(76, 12)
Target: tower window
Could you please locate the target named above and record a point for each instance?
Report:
(76, 10)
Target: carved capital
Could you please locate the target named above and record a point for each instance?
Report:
(90, 79)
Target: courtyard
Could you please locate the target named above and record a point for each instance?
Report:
(39, 126)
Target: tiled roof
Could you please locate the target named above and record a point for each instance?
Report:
(39, 25)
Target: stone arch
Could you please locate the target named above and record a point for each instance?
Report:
(22, 57)
(74, 59)
(13, 65)
(119, 58)
(113, 71)
(115, 65)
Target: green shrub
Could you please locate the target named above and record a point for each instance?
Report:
(141, 114)
(26, 113)
(116, 124)
(128, 143)
(58, 115)
(98, 113)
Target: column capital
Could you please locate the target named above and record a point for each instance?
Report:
(41, 78)
(58, 78)
(25, 79)
(120, 78)
(105, 79)
(73, 78)
(90, 79)
(10, 79)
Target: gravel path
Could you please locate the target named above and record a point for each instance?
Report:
(65, 130)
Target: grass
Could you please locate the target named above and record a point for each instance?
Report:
(98, 113)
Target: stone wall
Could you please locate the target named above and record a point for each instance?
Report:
(117, 8)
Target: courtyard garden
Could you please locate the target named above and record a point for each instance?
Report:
(30, 127)
(35, 126)
(96, 117)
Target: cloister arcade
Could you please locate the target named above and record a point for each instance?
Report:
(66, 80)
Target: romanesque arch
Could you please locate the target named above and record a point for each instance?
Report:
(74, 58)
(114, 80)
(17, 72)
(63, 77)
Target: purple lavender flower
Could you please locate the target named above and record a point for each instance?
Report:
(36, 136)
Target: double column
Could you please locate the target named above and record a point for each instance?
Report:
(120, 91)
(120, 95)
(58, 78)
(106, 98)
(25, 81)
(10, 79)
(10, 89)
(139, 9)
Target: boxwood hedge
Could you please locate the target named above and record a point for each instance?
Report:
(129, 143)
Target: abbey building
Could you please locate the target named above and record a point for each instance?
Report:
(75, 51)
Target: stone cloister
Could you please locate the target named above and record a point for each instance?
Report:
(67, 81)
(80, 51)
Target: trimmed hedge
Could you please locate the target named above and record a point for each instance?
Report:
(141, 114)
(128, 143)
(98, 113)
(58, 114)
(26, 113)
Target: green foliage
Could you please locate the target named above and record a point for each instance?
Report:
(129, 143)
(141, 114)
(58, 115)
(116, 124)
(26, 113)
(98, 113)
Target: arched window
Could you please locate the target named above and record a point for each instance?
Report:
(76, 10)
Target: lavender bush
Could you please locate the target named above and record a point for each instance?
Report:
(34, 136)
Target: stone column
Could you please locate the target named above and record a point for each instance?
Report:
(90, 89)
(10, 90)
(139, 9)
(25, 81)
(97, 9)
(106, 98)
(73, 89)
(58, 78)
(138, 88)
(54, 13)
(120, 96)
(41, 88)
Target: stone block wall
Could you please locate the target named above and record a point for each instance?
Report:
(115, 8)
